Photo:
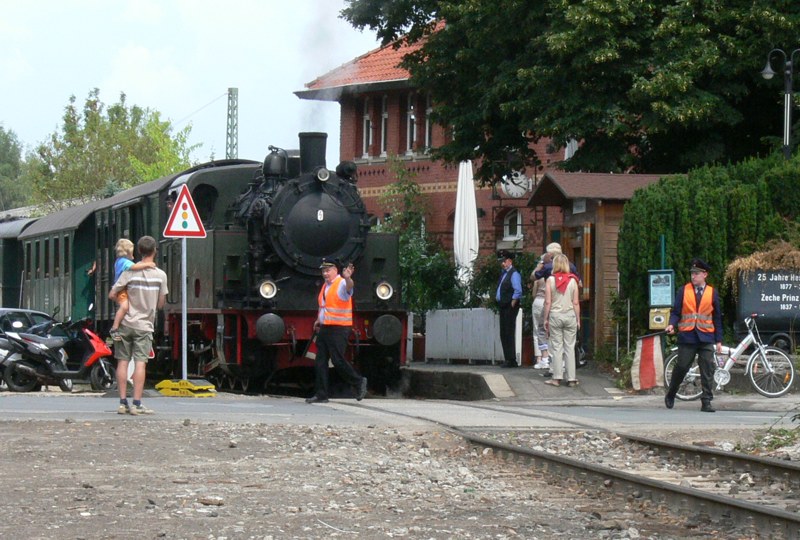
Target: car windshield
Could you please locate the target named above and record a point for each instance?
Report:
(23, 320)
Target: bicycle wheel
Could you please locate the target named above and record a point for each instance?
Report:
(771, 373)
(690, 389)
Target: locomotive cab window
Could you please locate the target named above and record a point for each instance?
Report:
(205, 200)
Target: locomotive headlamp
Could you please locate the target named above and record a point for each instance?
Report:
(322, 174)
(268, 289)
(384, 290)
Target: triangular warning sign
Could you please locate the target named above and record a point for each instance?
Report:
(184, 221)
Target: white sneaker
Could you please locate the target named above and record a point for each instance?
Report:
(542, 364)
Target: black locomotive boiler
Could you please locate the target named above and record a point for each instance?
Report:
(253, 281)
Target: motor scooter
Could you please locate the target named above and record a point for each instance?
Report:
(35, 359)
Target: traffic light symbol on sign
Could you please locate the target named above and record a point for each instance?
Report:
(184, 221)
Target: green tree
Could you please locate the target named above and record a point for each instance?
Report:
(716, 213)
(13, 192)
(105, 149)
(645, 86)
(428, 272)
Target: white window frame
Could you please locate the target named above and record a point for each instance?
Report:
(411, 124)
(384, 125)
(428, 124)
(366, 127)
(570, 149)
(512, 220)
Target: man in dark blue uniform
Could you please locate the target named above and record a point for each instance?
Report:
(698, 317)
(508, 296)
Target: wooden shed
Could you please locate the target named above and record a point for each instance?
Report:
(592, 205)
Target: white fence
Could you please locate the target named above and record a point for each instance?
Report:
(466, 334)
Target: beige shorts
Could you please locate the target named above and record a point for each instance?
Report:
(135, 345)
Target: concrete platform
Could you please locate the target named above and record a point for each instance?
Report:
(480, 382)
(525, 384)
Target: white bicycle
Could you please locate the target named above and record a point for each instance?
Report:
(769, 369)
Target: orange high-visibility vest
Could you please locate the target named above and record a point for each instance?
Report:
(694, 316)
(336, 312)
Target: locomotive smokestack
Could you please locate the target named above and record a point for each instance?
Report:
(312, 150)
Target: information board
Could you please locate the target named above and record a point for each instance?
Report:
(770, 292)
(661, 286)
(774, 295)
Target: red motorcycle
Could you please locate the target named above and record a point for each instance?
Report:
(39, 357)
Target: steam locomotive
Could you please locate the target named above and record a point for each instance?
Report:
(252, 283)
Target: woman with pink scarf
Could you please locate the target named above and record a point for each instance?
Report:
(562, 319)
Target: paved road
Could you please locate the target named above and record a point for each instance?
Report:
(634, 412)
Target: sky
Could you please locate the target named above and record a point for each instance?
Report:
(178, 57)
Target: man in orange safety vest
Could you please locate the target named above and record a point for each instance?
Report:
(334, 324)
(698, 318)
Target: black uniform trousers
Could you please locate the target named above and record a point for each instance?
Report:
(332, 344)
(508, 326)
(705, 360)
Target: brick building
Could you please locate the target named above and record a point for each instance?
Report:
(382, 115)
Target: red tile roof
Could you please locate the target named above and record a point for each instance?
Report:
(557, 187)
(377, 69)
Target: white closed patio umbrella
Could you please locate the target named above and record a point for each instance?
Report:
(465, 227)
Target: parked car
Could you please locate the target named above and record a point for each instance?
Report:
(27, 317)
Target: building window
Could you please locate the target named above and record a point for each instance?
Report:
(384, 124)
(411, 125)
(428, 124)
(366, 130)
(570, 149)
(512, 226)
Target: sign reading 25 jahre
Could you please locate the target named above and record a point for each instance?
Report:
(769, 292)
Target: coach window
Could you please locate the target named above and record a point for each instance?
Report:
(384, 125)
(66, 255)
(28, 260)
(47, 258)
(37, 259)
(56, 257)
(411, 124)
(512, 225)
(366, 130)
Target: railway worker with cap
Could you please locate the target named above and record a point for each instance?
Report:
(698, 317)
(508, 296)
(334, 324)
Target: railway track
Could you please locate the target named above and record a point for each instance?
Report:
(756, 496)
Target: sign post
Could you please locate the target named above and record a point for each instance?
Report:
(184, 222)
